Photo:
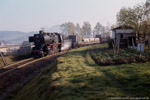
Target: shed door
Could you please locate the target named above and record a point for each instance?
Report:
(130, 41)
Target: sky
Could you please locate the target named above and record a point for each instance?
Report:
(32, 15)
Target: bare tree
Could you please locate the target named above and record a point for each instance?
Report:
(97, 29)
(78, 30)
(64, 28)
(86, 29)
(107, 30)
(68, 28)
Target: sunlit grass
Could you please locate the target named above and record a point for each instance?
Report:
(12, 59)
(8, 59)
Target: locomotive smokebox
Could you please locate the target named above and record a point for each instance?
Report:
(31, 39)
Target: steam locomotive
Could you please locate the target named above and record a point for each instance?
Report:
(48, 43)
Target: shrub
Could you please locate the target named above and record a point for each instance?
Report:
(110, 43)
(125, 56)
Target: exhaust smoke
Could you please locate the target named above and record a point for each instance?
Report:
(67, 44)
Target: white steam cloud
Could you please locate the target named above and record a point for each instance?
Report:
(67, 45)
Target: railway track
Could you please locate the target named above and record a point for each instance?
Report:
(18, 72)
(23, 63)
(14, 65)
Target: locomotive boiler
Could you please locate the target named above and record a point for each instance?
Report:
(46, 43)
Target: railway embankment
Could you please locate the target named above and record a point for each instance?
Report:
(84, 74)
(17, 74)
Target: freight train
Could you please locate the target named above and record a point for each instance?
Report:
(50, 43)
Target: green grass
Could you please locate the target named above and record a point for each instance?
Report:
(134, 79)
(75, 76)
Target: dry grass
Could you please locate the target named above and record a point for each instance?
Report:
(8, 59)
(13, 59)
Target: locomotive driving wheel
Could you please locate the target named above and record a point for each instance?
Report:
(45, 50)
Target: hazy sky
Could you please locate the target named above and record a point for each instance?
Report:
(31, 15)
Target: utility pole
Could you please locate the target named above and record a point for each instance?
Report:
(3, 59)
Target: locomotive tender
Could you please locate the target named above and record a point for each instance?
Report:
(47, 43)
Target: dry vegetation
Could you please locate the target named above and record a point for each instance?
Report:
(8, 59)
(13, 59)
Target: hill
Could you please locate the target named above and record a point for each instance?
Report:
(14, 36)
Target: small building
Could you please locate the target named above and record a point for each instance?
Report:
(125, 36)
(8, 49)
(3, 48)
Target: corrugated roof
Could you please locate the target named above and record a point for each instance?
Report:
(122, 27)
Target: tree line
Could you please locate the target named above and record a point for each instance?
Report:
(137, 17)
(86, 30)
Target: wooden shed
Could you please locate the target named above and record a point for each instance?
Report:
(125, 36)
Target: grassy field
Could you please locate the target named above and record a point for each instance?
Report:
(76, 76)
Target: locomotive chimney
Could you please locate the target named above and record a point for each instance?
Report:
(41, 31)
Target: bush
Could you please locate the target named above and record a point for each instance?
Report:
(125, 56)
(110, 43)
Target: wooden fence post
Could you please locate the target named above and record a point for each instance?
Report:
(3, 59)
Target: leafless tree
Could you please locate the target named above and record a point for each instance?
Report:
(68, 28)
(86, 29)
